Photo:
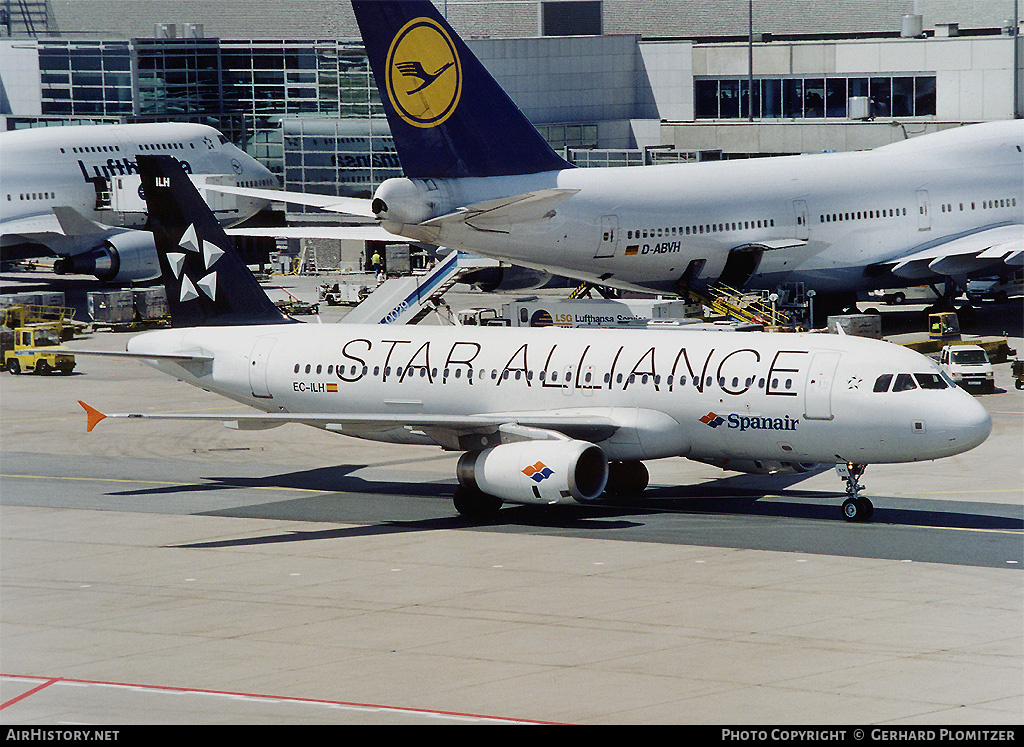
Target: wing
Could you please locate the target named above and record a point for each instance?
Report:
(454, 432)
(361, 233)
(984, 251)
(347, 205)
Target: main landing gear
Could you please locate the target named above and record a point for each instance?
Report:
(855, 508)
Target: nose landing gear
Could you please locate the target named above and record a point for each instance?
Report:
(855, 507)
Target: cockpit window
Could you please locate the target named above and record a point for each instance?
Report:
(903, 383)
(930, 381)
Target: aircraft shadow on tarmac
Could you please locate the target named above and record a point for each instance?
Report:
(343, 497)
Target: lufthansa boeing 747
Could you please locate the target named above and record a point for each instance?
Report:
(938, 208)
(73, 192)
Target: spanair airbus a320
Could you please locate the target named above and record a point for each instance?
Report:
(542, 415)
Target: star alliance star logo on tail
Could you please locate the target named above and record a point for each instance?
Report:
(538, 472)
(210, 252)
(712, 419)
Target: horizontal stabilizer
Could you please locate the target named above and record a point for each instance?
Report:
(498, 215)
(73, 223)
(445, 428)
(177, 357)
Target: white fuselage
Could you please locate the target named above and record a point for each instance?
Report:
(43, 168)
(822, 219)
(705, 395)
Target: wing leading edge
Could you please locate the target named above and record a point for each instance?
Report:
(963, 256)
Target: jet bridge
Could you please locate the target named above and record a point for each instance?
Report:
(407, 300)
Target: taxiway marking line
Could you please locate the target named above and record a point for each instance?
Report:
(258, 696)
(29, 693)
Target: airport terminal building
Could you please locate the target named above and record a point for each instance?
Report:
(608, 82)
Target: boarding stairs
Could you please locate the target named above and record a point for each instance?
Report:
(741, 306)
(584, 290)
(410, 299)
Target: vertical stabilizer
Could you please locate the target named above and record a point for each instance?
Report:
(207, 282)
(448, 116)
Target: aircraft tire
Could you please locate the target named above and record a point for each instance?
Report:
(474, 504)
(858, 509)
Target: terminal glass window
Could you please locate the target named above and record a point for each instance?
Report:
(85, 78)
(813, 98)
(574, 18)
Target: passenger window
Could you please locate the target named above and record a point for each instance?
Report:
(882, 383)
(904, 382)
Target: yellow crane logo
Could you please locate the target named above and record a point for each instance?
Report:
(424, 75)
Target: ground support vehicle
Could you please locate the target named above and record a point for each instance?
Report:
(36, 349)
(968, 366)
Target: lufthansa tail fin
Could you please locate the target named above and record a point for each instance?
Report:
(207, 282)
(448, 116)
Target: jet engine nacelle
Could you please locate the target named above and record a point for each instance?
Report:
(761, 466)
(537, 471)
(122, 257)
(506, 277)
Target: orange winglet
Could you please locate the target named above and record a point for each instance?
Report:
(94, 416)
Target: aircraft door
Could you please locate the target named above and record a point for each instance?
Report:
(924, 218)
(258, 367)
(818, 391)
(800, 219)
(609, 238)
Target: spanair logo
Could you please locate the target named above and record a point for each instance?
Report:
(210, 253)
(712, 420)
(538, 472)
(423, 73)
(751, 422)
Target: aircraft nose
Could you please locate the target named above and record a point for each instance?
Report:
(969, 423)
